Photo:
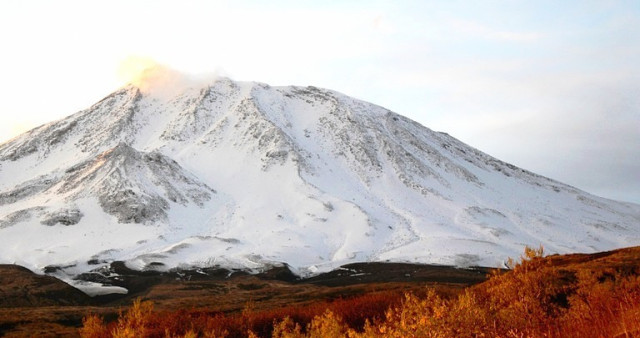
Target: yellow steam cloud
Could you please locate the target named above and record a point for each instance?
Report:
(148, 75)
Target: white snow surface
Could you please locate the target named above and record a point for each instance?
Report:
(244, 175)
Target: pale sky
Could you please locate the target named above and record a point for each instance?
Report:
(549, 86)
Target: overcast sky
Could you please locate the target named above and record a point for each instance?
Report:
(550, 86)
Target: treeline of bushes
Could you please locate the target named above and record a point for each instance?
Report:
(140, 320)
(536, 298)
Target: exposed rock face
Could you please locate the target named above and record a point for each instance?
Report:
(64, 217)
(134, 186)
(242, 175)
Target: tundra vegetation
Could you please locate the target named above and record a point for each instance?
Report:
(554, 296)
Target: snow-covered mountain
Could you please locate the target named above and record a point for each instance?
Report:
(244, 175)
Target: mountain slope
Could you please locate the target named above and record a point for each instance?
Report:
(245, 175)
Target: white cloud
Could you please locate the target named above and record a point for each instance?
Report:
(475, 29)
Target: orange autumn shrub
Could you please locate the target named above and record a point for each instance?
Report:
(141, 321)
(539, 297)
(94, 327)
(534, 299)
(604, 306)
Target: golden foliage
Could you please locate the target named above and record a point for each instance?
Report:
(538, 297)
(286, 328)
(327, 325)
(135, 323)
(93, 327)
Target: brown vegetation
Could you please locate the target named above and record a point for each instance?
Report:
(214, 293)
(140, 320)
(557, 296)
(20, 287)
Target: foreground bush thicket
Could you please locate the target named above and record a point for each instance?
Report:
(141, 321)
(535, 299)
